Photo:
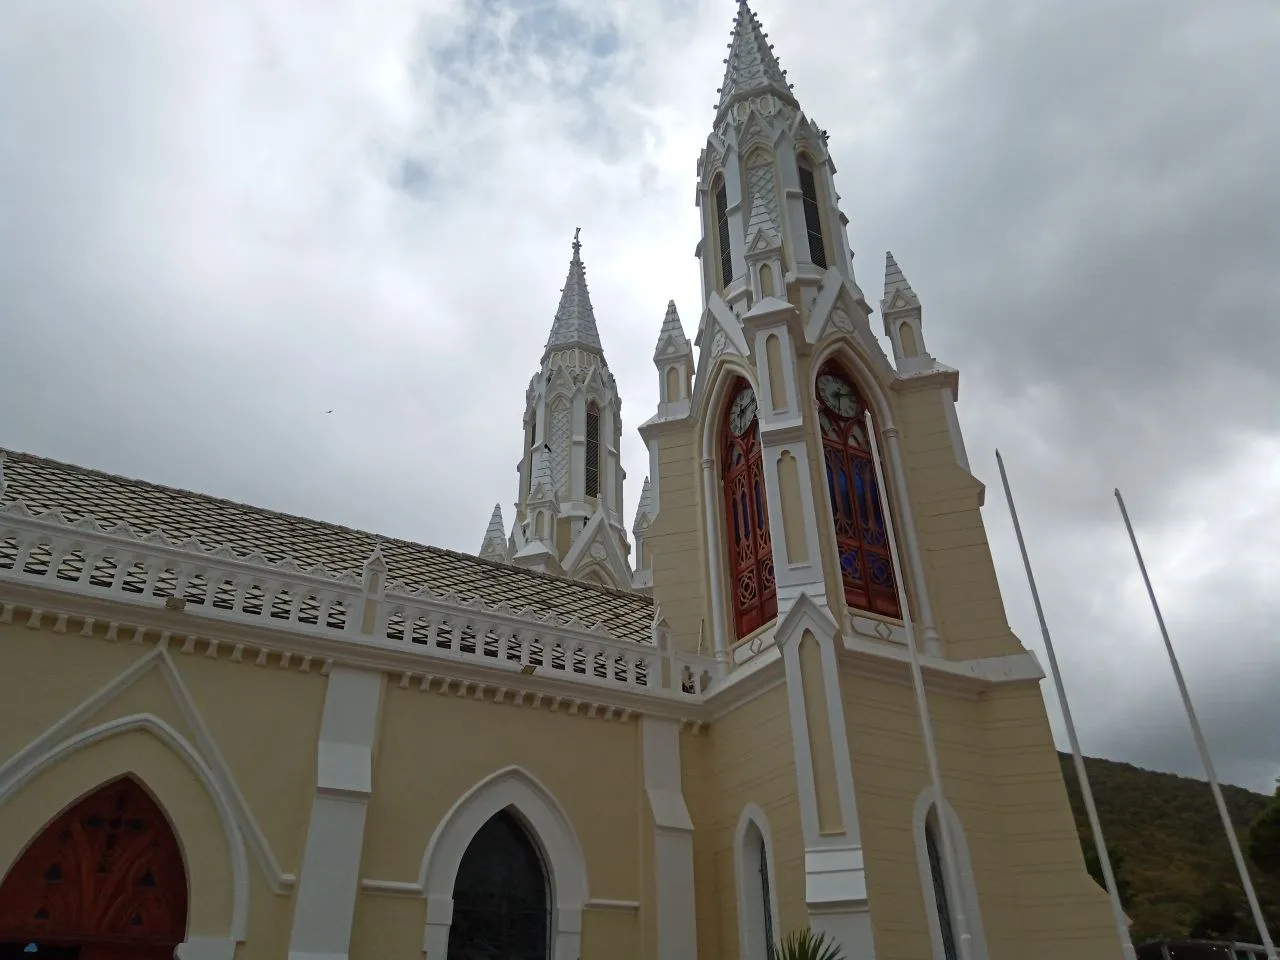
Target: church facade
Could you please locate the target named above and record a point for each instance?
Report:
(229, 733)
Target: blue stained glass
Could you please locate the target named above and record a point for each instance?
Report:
(761, 523)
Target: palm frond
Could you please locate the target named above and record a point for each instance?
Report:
(807, 945)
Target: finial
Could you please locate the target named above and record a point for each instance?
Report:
(577, 244)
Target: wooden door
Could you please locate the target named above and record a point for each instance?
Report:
(105, 878)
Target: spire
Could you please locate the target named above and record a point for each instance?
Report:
(672, 335)
(895, 283)
(494, 545)
(751, 67)
(644, 511)
(575, 322)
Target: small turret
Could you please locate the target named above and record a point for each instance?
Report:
(673, 356)
(643, 579)
(495, 546)
(902, 315)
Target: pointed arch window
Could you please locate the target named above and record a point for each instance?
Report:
(812, 213)
(755, 595)
(501, 906)
(722, 233)
(946, 923)
(592, 477)
(866, 568)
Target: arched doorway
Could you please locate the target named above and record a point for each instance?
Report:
(104, 881)
(501, 905)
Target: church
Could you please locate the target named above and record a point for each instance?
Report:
(230, 733)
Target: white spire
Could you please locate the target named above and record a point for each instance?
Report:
(494, 545)
(895, 283)
(751, 67)
(644, 511)
(672, 335)
(575, 322)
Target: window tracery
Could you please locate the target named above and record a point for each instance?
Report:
(750, 549)
(866, 568)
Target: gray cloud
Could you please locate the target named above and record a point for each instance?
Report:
(215, 226)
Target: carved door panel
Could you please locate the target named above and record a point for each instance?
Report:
(106, 876)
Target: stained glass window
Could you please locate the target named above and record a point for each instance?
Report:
(755, 595)
(767, 903)
(500, 902)
(866, 568)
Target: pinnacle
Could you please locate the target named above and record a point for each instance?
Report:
(644, 509)
(575, 321)
(494, 545)
(896, 282)
(751, 66)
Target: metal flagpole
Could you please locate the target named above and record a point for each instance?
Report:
(952, 872)
(1122, 927)
(1201, 746)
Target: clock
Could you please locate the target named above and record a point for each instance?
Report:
(742, 412)
(838, 395)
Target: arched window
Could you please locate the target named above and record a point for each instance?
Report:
(106, 874)
(946, 923)
(861, 535)
(722, 233)
(812, 213)
(592, 477)
(500, 902)
(757, 911)
(755, 595)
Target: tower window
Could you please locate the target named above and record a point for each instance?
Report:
(866, 568)
(936, 873)
(746, 511)
(593, 451)
(722, 233)
(812, 214)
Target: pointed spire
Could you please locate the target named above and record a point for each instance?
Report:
(644, 511)
(494, 545)
(898, 294)
(542, 486)
(672, 333)
(575, 322)
(751, 67)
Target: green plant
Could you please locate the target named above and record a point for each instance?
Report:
(1264, 838)
(807, 945)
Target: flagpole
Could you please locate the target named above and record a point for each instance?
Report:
(1082, 776)
(1201, 745)
(922, 703)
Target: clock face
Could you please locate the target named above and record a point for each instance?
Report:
(837, 395)
(742, 412)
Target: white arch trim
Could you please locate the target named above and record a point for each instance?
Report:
(747, 889)
(968, 894)
(515, 789)
(844, 348)
(18, 775)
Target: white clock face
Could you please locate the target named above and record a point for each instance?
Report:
(837, 395)
(742, 412)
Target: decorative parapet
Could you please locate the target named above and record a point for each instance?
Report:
(85, 559)
(687, 672)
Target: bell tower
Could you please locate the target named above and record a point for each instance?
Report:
(568, 516)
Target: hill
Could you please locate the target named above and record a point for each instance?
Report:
(1167, 847)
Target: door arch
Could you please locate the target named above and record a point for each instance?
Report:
(105, 880)
(501, 898)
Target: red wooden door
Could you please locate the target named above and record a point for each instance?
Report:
(106, 876)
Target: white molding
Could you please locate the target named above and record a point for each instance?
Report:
(750, 944)
(58, 740)
(512, 788)
(206, 948)
(978, 938)
(626, 906)
(27, 765)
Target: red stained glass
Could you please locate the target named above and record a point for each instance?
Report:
(106, 877)
(861, 536)
(755, 595)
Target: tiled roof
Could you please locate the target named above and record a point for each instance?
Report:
(179, 514)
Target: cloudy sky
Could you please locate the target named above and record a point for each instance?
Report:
(219, 220)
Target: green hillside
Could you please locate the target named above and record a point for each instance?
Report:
(1173, 864)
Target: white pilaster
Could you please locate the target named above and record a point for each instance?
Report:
(672, 840)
